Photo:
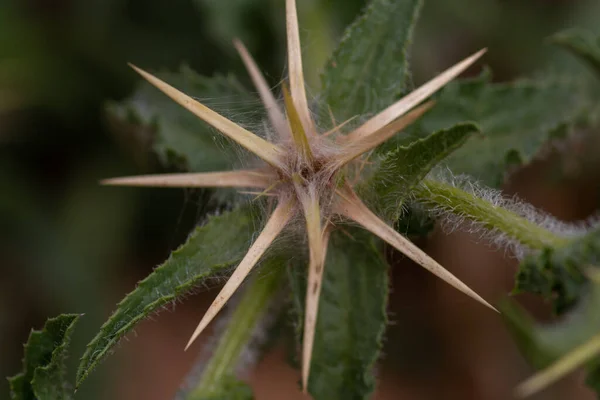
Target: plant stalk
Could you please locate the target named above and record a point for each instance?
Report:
(459, 202)
(238, 335)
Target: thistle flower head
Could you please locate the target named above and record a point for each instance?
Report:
(306, 171)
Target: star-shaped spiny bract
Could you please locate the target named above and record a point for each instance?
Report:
(304, 171)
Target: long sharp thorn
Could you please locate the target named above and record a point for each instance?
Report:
(295, 66)
(560, 368)
(254, 179)
(273, 110)
(412, 99)
(274, 226)
(350, 206)
(353, 149)
(263, 149)
(317, 240)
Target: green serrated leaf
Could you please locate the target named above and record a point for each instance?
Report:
(180, 138)
(582, 44)
(369, 69)
(211, 248)
(401, 169)
(44, 371)
(517, 120)
(557, 273)
(351, 319)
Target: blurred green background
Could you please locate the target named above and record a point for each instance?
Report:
(69, 245)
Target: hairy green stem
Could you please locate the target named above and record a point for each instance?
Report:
(459, 202)
(239, 333)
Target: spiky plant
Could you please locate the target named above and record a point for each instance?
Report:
(374, 167)
(308, 173)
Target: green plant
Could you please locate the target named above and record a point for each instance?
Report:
(348, 164)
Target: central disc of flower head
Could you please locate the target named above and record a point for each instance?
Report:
(310, 174)
(305, 158)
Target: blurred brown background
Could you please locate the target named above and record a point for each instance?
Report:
(68, 245)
